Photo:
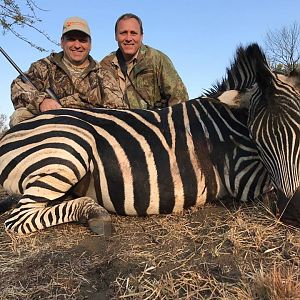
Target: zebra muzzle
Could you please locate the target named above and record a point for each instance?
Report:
(289, 209)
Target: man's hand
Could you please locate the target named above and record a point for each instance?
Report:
(49, 104)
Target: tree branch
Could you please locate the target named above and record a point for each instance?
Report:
(12, 17)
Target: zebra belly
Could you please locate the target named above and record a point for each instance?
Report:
(145, 191)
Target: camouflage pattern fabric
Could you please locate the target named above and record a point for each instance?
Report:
(50, 72)
(154, 77)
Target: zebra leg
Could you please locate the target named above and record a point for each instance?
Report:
(30, 215)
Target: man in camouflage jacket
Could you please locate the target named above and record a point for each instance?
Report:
(149, 79)
(73, 75)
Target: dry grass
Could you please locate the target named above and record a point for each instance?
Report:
(209, 253)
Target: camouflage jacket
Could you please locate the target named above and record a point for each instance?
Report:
(50, 72)
(153, 76)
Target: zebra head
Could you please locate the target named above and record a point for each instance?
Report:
(273, 104)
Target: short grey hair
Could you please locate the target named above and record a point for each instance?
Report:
(129, 16)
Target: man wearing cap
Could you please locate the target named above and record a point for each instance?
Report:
(72, 74)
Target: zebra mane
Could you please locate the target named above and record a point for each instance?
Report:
(215, 91)
(249, 67)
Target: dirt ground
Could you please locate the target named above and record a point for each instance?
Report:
(215, 252)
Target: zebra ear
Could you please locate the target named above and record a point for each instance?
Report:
(295, 73)
(265, 79)
(294, 78)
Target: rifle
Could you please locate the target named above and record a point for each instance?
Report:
(25, 79)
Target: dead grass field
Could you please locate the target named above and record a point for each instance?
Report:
(215, 252)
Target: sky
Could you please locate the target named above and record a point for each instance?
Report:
(200, 37)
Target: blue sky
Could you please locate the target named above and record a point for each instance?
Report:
(199, 36)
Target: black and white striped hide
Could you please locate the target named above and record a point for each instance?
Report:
(131, 162)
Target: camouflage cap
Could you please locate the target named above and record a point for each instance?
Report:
(76, 23)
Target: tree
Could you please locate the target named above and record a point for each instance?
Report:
(283, 48)
(13, 16)
(3, 124)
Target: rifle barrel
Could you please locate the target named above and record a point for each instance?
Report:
(11, 61)
(24, 77)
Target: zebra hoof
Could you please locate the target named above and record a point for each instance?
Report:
(100, 226)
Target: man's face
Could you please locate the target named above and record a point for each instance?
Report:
(77, 46)
(129, 37)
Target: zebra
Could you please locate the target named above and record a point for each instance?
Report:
(76, 165)
(273, 105)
